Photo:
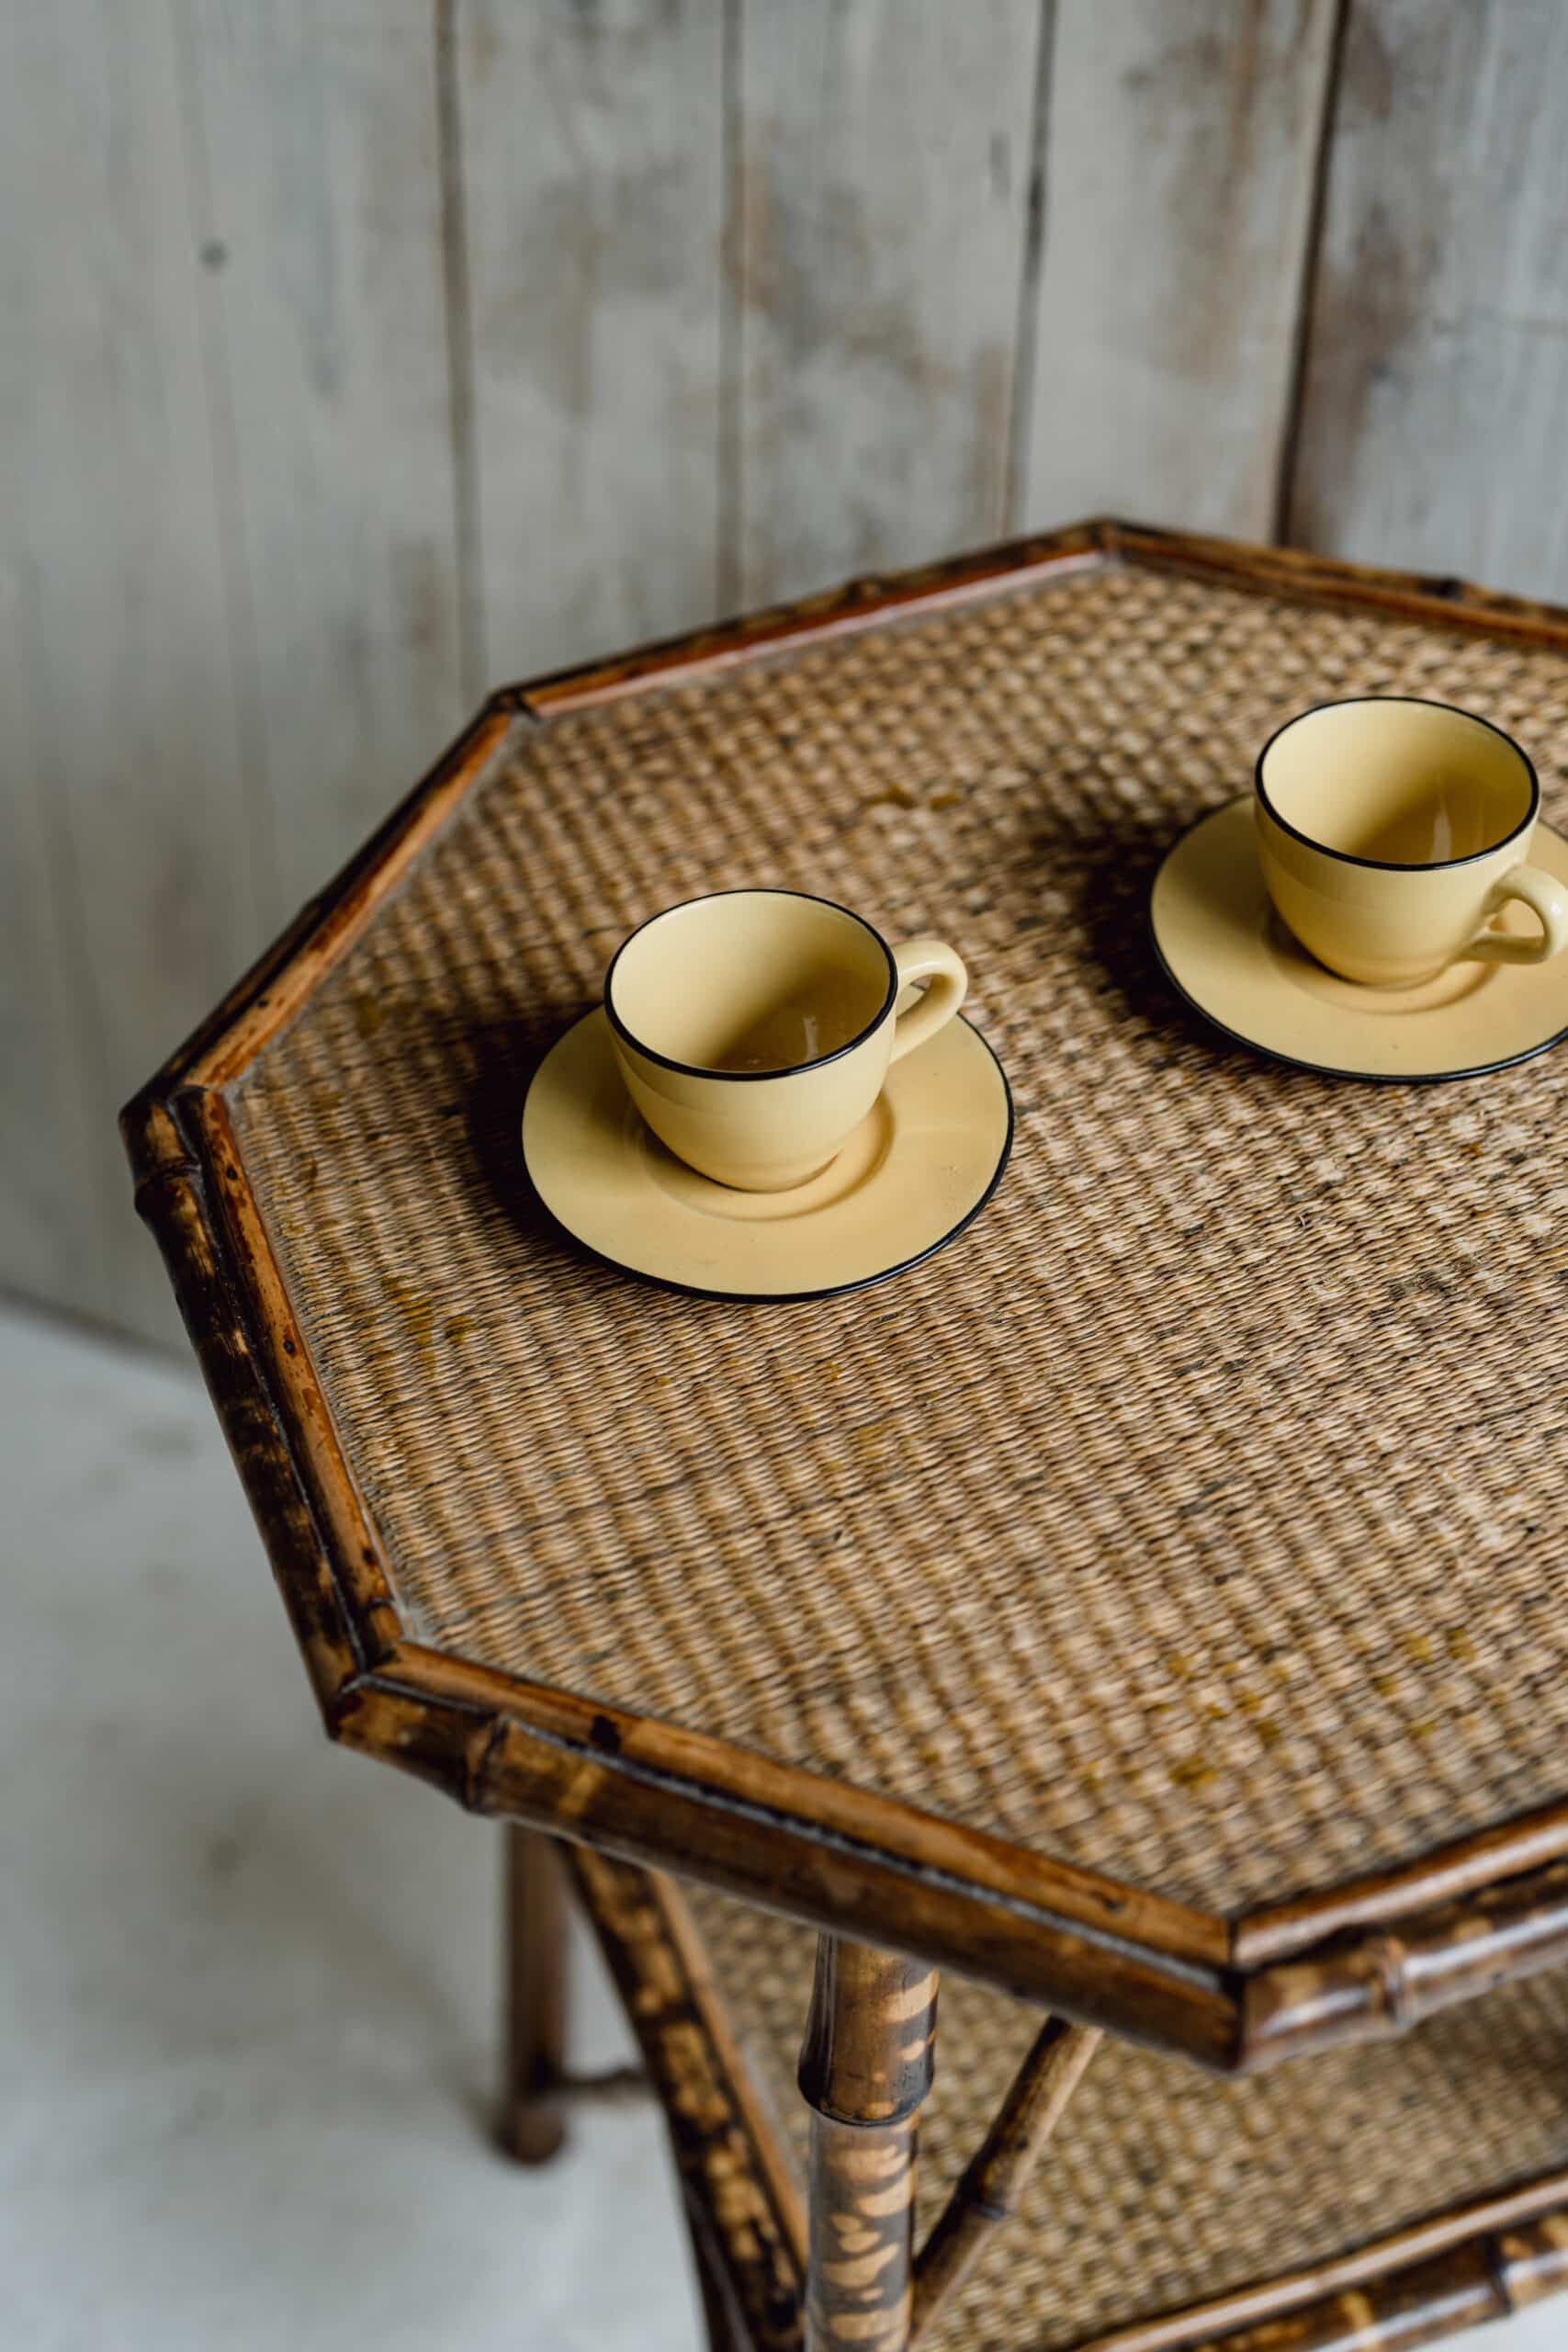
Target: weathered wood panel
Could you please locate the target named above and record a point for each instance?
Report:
(53, 1236)
(117, 655)
(883, 163)
(1435, 411)
(1181, 141)
(592, 162)
(359, 352)
(318, 194)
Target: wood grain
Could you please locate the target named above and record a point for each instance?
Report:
(134, 880)
(593, 160)
(884, 155)
(1433, 398)
(318, 232)
(1180, 145)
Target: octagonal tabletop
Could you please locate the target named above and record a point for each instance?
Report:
(1154, 1603)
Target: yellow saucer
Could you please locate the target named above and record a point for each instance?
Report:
(919, 1169)
(1227, 951)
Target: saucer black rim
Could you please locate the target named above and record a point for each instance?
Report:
(669, 1283)
(1294, 1061)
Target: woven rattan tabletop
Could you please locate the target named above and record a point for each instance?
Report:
(1195, 1522)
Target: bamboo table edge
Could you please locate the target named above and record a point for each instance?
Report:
(1232, 1993)
(1465, 2267)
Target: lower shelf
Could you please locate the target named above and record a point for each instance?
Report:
(1378, 2198)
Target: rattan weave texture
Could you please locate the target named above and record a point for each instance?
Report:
(1198, 1516)
(1162, 2187)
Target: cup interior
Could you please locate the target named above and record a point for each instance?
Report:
(749, 983)
(1389, 782)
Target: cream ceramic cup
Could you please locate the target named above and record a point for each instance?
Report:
(754, 1028)
(1391, 831)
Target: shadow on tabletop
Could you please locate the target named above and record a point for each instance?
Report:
(1112, 883)
(505, 1056)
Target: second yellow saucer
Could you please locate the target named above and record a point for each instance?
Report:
(1227, 952)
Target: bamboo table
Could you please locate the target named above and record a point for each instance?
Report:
(1149, 1610)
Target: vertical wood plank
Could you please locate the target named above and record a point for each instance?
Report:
(1181, 144)
(317, 172)
(54, 1235)
(116, 651)
(1434, 416)
(883, 156)
(592, 146)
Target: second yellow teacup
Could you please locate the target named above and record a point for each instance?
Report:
(1392, 830)
(754, 1028)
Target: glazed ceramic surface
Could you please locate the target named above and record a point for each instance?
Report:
(1392, 830)
(1228, 953)
(754, 1028)
(924, 1159)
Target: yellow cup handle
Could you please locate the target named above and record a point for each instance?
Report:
(948, 984)
(1550, 900)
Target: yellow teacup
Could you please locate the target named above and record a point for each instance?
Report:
(1391, 831)
(754, 1028)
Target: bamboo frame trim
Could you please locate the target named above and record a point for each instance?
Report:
(579, 1789)
(1190, 1967)
(287, 1370)
(1474, 2225)
(1466, 1867)
(1440, 600)
(1373, 1984)
(665, 1755)
(839, 612)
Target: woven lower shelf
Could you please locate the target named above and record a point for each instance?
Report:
(1165, 2188)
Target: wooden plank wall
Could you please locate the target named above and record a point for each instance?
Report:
(359, 353)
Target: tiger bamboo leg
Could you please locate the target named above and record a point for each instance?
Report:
(532, 2128)
(747, 2225)
(718, 2317)
(864, 2069)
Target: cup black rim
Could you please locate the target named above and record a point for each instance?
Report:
(1391, 864)
(749, 1077)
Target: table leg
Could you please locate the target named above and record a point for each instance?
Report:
(989, 2190)
(535, 1995)
(864, 2069)
(718, 2317)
